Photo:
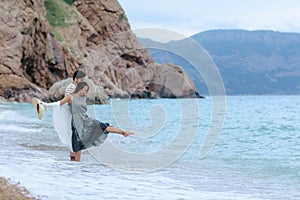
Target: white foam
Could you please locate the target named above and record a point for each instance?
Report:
(18, 129)
(14, 116)
(71, 180)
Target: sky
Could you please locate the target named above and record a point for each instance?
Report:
(188, 17)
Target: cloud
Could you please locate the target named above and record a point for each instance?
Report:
(193, 16)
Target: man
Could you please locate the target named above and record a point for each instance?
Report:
(78, 76)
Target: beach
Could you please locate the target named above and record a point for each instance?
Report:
(13, 191)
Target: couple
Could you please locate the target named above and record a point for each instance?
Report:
(74, 127)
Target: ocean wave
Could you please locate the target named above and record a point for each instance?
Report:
(44, 147)
(18, 129)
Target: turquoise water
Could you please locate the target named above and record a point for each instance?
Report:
(256, 155)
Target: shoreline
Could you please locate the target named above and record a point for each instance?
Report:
(13, 191)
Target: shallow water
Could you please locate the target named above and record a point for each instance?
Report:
(256, 155)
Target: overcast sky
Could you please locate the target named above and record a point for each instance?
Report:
(188, 17)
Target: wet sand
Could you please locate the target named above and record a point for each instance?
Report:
(9, 191)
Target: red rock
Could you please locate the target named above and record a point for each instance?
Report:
(96, 38)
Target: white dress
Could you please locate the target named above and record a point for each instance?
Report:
(62, 123)
(62, 119)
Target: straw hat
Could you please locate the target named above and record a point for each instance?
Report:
(39, 109)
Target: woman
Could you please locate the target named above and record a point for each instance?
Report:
(86, 131)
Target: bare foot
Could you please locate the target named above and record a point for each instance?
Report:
(127, 133)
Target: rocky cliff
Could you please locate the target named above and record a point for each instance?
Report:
(43, 42)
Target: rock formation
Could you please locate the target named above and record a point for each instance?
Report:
(38, 50)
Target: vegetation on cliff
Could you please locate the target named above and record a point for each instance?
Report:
(59, 13)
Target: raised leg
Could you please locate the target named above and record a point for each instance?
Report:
(111, 129)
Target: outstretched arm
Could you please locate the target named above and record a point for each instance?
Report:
(66, 99)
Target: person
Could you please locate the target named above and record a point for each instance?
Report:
(78, 76)
(84, 131)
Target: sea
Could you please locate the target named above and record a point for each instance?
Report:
(234, 147)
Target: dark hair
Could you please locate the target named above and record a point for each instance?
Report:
(78, 74)
(80, 86)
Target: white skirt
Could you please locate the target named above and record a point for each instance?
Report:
(62, 123)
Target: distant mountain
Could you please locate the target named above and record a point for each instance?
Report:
(250, 62)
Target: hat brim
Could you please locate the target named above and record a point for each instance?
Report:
(39, 109)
